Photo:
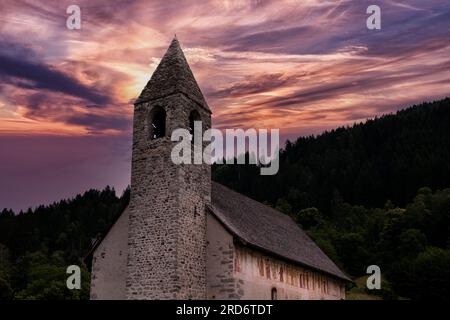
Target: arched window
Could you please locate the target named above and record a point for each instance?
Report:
(193, 116)
(158, 123)
(274, 294)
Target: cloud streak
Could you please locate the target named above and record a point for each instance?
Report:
(301, 66)
(31, 75)
(271, 63)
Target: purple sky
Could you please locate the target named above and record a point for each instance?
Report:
(301, 66)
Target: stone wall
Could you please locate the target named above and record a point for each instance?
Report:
(167, 237)
(238, 272)
(109, 263)
(260, 274)
(221, 283)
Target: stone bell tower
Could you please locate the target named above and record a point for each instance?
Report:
(167, 224)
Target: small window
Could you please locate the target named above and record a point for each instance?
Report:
(193, 116)
(274, 294)
(158, 124)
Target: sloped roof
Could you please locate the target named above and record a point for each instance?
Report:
(263, 228)
(173, 75)
(249, 221)
(267, 229)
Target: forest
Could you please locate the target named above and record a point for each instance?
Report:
(377, 192)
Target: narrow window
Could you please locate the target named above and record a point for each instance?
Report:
(193, 116)
(274, 294)
(158, 124)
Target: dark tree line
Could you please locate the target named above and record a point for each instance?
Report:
(387, 158)
(410, 245)
(36, 246)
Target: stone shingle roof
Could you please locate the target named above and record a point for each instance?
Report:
(269, 230)
(173, 75)
(263, 228)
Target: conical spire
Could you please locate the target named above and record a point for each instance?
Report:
(173, 75)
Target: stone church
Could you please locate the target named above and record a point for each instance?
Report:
(184, 236)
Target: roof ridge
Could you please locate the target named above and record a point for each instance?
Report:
(268, 229)
(281, 214)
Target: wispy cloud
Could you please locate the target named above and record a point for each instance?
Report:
(33, 75)
(258, 62)
(301, 66)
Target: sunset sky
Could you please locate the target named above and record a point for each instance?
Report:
(303, 66)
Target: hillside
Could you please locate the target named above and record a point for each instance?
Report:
(375, 193)
(36, 246)
(386, 158)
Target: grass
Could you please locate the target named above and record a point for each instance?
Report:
(360, 291)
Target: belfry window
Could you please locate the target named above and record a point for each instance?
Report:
(158, 124)
(273, 294)
(193, 116)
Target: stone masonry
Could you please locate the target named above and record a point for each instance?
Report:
(167, 224)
